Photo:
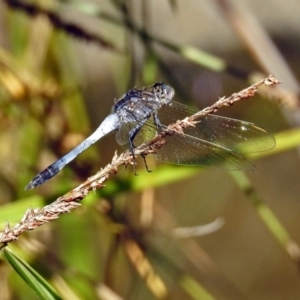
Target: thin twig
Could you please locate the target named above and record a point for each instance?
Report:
(34, 218)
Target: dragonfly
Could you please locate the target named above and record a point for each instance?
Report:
(143, 112)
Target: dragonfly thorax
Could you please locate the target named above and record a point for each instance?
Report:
(139, 104)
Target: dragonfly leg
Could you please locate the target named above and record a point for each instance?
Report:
(156, 121)
(145, 162)
(134, 168)
(131, 135)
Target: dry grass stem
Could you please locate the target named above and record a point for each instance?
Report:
(34, 218)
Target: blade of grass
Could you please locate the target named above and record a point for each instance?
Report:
(194, 289)
(268, 217)
(41, 287)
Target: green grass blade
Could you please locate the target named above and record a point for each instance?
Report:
(195, 289)
(31, 277)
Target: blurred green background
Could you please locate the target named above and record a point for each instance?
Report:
(62, 64)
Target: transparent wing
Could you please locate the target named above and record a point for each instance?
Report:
(122, 133)
(187, 150)
(215, 140)
(239, 136)
(145, 133)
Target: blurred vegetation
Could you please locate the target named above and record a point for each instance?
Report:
(62, 63)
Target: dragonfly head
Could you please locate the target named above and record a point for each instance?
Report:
(164, 92)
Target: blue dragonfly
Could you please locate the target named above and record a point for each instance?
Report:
(142, 112)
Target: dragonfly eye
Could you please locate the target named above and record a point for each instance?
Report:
(164, 92)
(168, 92)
